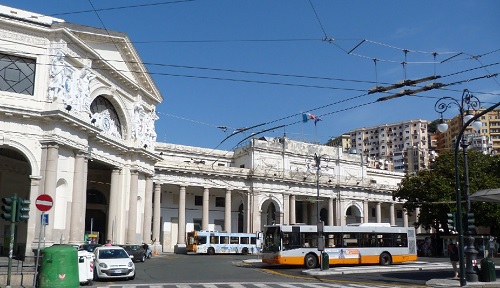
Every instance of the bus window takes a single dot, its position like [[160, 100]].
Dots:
[[309, 240], [385, 240], [214, 239], [224, 240], [333, 240], [253, 240], [350, 240], [368, 240], [201, 240], [400, 240], [235, 240], [244, 240]]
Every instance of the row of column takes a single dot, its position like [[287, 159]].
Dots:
[[289, 201], [50, 155], [181, 235]]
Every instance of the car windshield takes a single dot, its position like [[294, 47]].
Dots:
[[112, 254]]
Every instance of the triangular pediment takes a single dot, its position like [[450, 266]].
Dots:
[[115, 52]]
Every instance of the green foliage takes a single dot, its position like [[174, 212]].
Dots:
[[434, 191]]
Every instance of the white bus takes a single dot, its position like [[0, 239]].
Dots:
[[368, 243], [213, 242]]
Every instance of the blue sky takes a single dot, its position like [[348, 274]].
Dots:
[[240, 64]]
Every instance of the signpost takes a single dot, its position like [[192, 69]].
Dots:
[[43, 203]]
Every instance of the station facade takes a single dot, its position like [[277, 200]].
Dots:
[[77, 123]]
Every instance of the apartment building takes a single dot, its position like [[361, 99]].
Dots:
[[399, 147], [487, 140]]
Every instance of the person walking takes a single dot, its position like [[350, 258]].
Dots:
[[454, 258]]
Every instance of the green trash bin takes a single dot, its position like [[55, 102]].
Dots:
[[487, 273], [325, 261], [59, 267]]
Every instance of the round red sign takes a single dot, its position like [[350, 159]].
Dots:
[[44, 202]]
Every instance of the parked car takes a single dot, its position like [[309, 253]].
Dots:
[[137, 251], [113, 262], [88, 247]]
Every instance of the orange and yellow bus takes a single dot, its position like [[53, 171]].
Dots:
[[355, 244]]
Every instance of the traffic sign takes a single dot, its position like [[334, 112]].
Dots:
[[44, 202]]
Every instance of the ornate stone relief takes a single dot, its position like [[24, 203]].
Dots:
[[143, 126], [70, 85]]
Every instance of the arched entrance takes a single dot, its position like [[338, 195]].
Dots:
[[353, 215], [240, 219], [95, 217], [15, 179], [270, 213]]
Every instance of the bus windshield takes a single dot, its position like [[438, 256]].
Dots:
[[272, 239]]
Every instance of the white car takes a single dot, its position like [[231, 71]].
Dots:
[[113, 262]]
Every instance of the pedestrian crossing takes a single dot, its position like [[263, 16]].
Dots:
[[311, 284]]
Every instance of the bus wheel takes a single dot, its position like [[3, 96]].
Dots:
[[244, 251], [311, 261], [385, 259], [210, 251]]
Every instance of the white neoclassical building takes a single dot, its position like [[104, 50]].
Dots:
[[77, 114], [270, 180]]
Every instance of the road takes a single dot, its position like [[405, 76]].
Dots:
[[238, 271]]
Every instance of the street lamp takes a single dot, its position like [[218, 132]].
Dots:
[[469, 101], [317, 166]]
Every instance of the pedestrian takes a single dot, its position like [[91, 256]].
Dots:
[[108, 243], [454, 257]]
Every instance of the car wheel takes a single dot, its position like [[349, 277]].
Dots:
[[244, 251], [143, 258], [89, 283], [210, 251], [96, 278], [132, 277]]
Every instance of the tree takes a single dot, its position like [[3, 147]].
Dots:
[[433, 191]]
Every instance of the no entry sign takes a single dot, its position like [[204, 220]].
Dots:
[[44, 202]]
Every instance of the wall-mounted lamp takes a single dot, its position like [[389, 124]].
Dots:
[[161, 153], [68, 107], [93, 120], [145, 146], [139, 198]]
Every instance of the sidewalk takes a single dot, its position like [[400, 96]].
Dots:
[[456, 283]]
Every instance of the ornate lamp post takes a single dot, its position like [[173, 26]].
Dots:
[[317, 166], [468, 102]]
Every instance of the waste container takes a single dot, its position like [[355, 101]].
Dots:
[[59, 267], [325, 261], [487, 273], [85, 267]]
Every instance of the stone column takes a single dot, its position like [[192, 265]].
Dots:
[[417, 214], [293, 218], [77, 220], [331, 212], [132, 207], [205, 214], [50, 183], [405, 218], [392, 213], [156, 212], [181, 234], [148, 207], [341, 214], [379, 212], [286, 209], [227, 212], [114, 195], [33, 224], [366, 212]]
